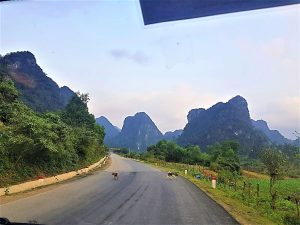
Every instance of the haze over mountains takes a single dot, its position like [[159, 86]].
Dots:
[[222, 121], [111, 131], [138, 132], [274, 135]]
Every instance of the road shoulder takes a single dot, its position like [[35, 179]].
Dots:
[[40, 190], [241, 213]]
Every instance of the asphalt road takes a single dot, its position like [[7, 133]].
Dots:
[[142, 195]]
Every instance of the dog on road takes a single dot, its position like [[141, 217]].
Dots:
[[172, 175], [115, 175]]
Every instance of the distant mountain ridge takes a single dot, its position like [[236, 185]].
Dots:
[[111, 131], [296, 142], [223, 121], [36, 89], [138, 132], [172, 135], [274, 135]]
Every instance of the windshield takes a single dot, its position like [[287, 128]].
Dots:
[[140, 112]]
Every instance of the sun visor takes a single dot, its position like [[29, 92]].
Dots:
[[157, 11]]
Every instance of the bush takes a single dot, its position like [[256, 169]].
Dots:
[[291, 220]]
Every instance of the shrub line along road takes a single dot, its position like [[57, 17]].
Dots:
[[141, 195]]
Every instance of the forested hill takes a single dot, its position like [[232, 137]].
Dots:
[[44, 143], [223, 121], [35, 88]]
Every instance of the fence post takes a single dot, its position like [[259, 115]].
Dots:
[[249, 191], [235, 184], [213, 181], [244, 188], [257, 194]]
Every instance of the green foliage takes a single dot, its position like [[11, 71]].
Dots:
[[44, 142], [192, 155], [292, 156], [8, 93], [291, 220], [274, 161], [220, 156], [224, 156], [171, 152], [227, 177], [8, 97], [76, 112], [124, 150]]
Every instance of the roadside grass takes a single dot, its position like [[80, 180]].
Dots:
[[245, 204]]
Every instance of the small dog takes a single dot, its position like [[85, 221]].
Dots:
[[172, 175], [116, 176]]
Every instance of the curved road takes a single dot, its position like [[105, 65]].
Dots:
[[142, 195]]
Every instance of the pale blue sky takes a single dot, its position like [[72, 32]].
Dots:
[[103, 48]]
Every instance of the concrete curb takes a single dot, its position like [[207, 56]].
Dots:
[[50, 180]]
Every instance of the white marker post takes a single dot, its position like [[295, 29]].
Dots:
[[213, 182], [185, 172]]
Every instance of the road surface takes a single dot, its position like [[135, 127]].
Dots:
[[142, 195]]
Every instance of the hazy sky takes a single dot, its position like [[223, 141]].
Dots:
[[103, 48]]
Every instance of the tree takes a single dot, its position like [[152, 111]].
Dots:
[[274, 161], [124, 150], [159, 150], [171, 152], [174, 153], [224, 156], [295, 197], [192, 154], [8, 99], [8, 92], [76, 112]]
